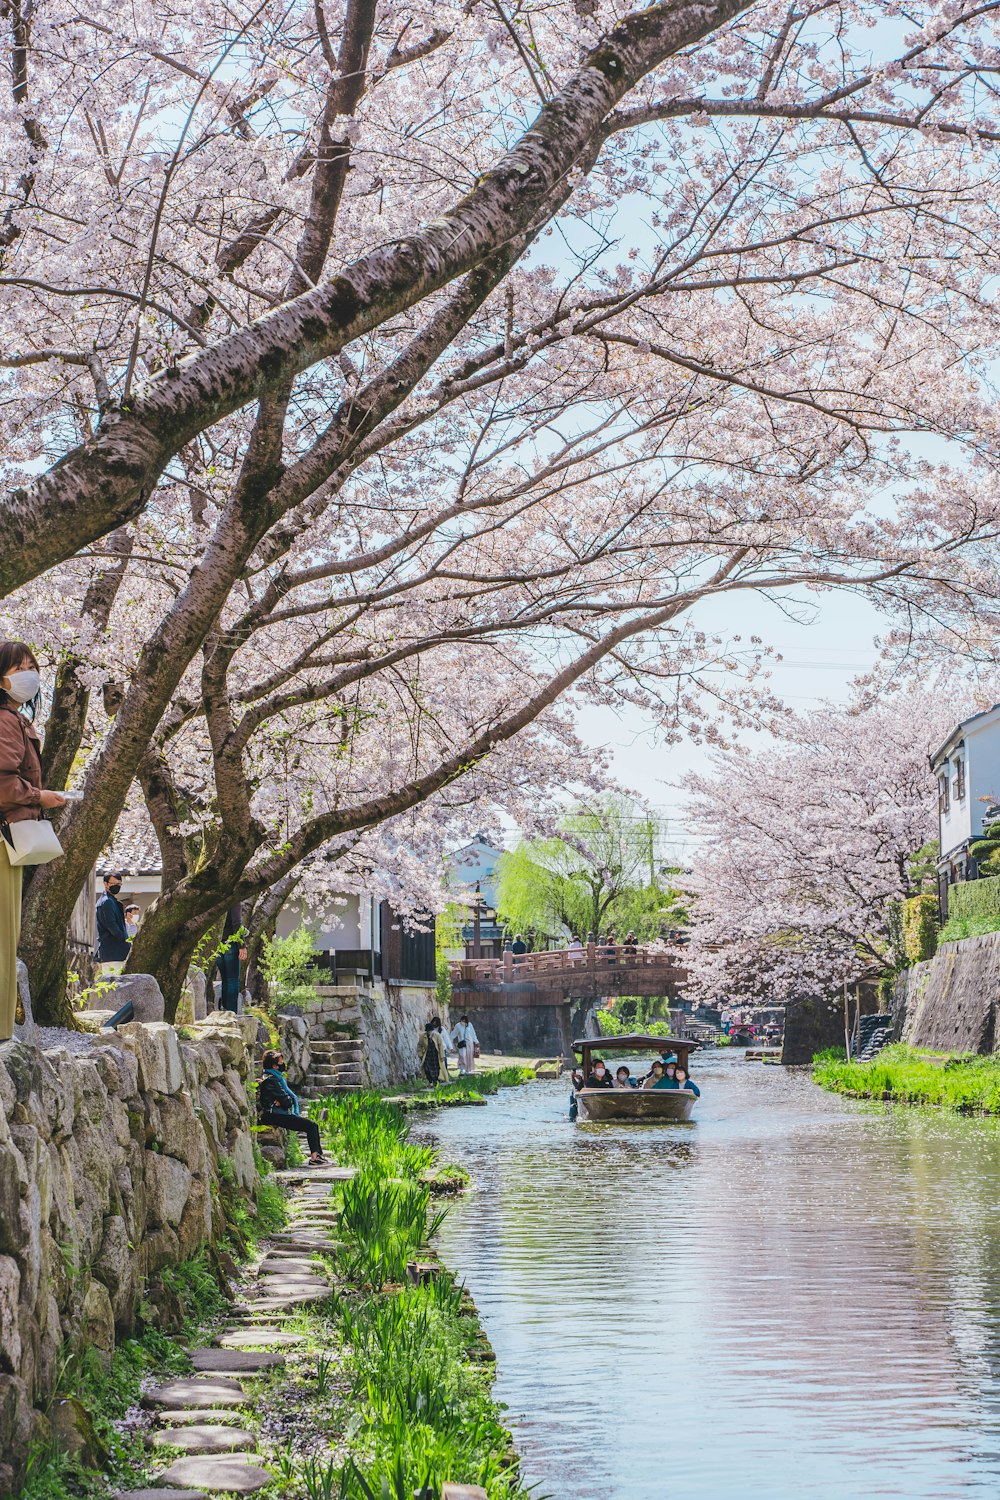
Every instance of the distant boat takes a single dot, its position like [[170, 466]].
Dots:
[[648, 1106]]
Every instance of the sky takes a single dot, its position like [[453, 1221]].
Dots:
[[819, 661]]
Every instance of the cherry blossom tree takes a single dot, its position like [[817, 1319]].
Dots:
[[806, 841], [544, 325]]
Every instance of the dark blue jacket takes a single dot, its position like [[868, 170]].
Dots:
[[274, 1094], [112, 934]]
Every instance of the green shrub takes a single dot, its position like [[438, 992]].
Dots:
[[973, 909], [986, 850], [920, 928], [288, 963]]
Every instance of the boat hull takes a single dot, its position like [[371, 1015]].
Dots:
[[644, 1106]]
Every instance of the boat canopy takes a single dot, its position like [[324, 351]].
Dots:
[[635, 1042]]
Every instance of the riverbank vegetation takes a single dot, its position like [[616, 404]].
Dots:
[[473, 1088], [965, 1083], [417, 1366]]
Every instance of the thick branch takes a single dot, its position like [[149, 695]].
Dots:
[[107, 480]]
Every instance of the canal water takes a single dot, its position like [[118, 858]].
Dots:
[[792, 1295]]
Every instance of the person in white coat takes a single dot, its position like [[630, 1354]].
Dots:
[[465, 1039]]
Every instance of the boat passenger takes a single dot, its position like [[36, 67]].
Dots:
[[599, 1077], [624, 1079], [682, 1081], [654, 1077]]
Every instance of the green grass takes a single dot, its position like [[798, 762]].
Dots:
[[962, 1082], [422, 1095]]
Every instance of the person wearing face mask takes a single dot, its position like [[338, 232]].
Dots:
[[112, 930], [599, 1077], [21, 798]]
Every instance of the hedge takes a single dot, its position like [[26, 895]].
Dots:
[[975, 901], [920, 927], [897, 945]]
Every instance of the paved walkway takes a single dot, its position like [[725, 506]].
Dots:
[[202, 1413]]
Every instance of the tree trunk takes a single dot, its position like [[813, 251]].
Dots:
[[174, 925], [262, 924]]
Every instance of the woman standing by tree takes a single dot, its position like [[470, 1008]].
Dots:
[[21, 798]]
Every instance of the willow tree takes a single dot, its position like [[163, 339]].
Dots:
[[283, 319], [599, 869]]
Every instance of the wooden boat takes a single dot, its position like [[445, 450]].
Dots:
[[642, 1106]]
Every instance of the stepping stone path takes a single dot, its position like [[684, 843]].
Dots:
[[159, 1494], [236, 1474], [258, 1338], [203, 1437], [202, 1413]]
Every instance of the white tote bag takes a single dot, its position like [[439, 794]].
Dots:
[[31, 842]]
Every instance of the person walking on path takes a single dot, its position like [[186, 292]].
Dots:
[[430, 1050], [466, 1040], [112, 931], [21, 798], [277, 1105]]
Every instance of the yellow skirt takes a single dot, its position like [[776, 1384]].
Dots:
[[10, 935]]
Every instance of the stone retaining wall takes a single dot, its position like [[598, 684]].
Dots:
[[386, 1018], [950, 1002], [109, 1172]]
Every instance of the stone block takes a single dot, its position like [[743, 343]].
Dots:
[[97, 1323], [10, 1331], [15, 1227], [180, 1131], [157, 1053], [169, 1183], [25, 1030], [142, 990], [223, 1031]]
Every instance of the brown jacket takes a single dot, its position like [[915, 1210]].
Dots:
[[20, 768]]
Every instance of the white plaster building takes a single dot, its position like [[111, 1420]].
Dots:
[[967, 770]]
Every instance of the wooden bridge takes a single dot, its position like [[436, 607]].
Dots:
[[565, 974]]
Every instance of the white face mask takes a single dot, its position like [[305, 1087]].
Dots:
[[23, 686]]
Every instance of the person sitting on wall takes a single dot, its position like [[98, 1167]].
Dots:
[[277, 1105]]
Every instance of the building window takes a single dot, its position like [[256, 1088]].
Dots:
[[959, 780], [944, 801]]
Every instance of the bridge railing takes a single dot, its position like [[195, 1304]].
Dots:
[[523, 967]]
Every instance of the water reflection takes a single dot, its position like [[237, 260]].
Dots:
[[790, 1296]]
